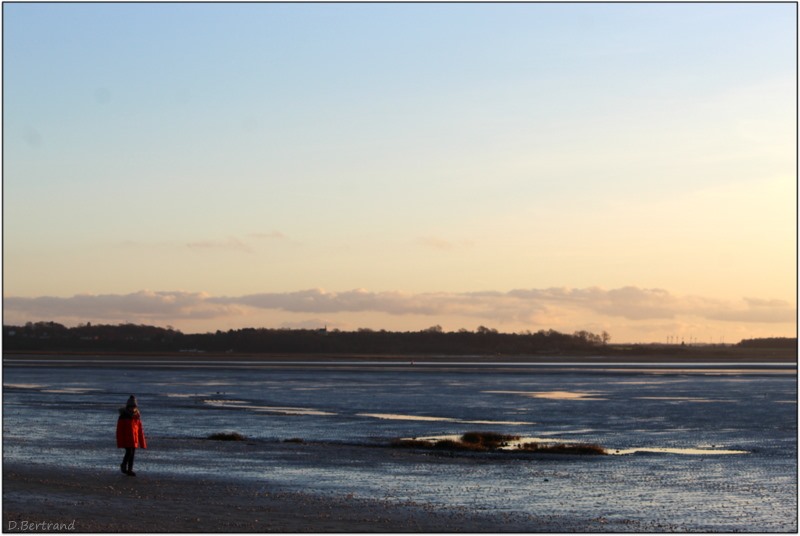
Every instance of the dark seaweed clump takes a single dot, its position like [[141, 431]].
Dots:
[[492, 441], [470, 442], [487, 440], [561, 448]]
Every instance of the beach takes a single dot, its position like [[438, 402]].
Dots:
[[53, 499], [101, 501], [708, 446], [42, 498]]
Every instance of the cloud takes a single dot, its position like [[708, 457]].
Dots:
[[631, 303], [546, 307], [137, 306], [755, 310], [635, 303], [232, 243], [320, 301], [627, 302]]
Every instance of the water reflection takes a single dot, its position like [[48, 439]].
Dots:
[[426, 418], [554, 395]]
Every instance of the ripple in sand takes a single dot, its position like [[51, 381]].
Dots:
[[207, 383], [277, 410], [289, 411], [224, 403], [70, 390], [400, 417], [685, 451], [682, 399]]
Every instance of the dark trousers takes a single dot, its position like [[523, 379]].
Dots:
[[127, 461]]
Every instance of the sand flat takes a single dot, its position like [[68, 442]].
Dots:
[[104, 501], [307, 472]]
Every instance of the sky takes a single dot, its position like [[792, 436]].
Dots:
[[628, 168]]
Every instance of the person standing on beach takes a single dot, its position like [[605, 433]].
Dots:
[[130, 434]]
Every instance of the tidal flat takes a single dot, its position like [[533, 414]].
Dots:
[[698, 447]]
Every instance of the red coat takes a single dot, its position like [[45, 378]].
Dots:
[[130, 432]]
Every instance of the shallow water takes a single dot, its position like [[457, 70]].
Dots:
[[701, 448]]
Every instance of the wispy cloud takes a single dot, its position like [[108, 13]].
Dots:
[[231, 243], [628, 304]]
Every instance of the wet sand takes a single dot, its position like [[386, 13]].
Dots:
[[104, 500], [71, 500]]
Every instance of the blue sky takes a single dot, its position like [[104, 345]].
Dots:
[[226, 151]]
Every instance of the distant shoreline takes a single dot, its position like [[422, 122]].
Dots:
[[627, 355]]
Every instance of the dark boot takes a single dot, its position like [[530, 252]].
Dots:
[[127, 462], [131, 453]]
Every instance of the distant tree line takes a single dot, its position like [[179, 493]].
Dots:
[[51, 336], [769, 342]]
